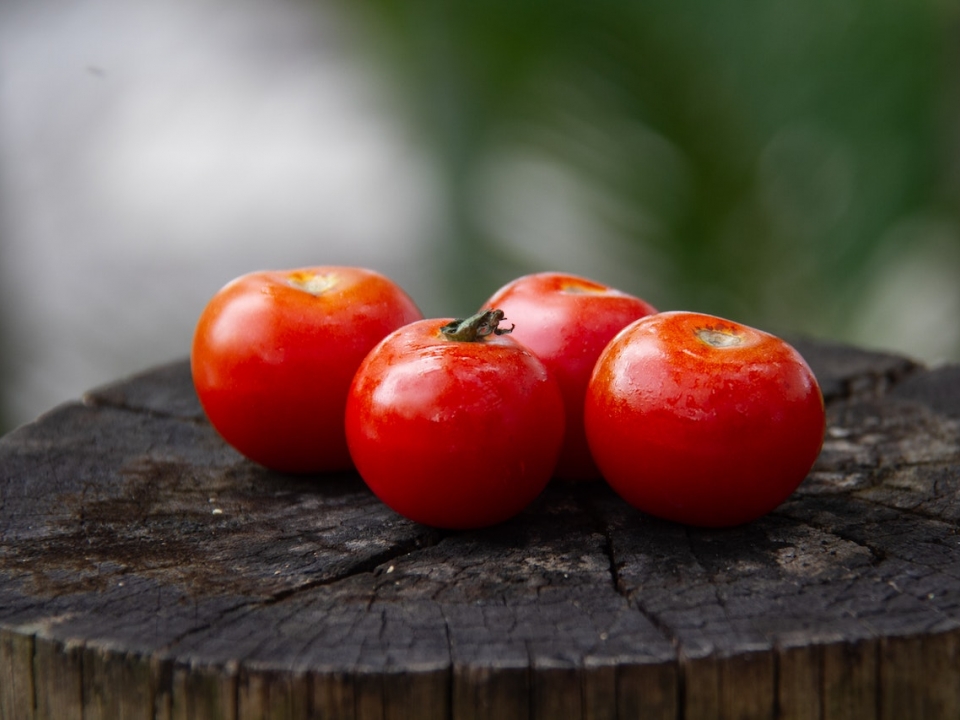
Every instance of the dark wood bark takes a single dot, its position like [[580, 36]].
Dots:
[[148, 571]]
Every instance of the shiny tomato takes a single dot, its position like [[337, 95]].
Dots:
[[566, 321], [454, 424], [274, 352], [703, 421]]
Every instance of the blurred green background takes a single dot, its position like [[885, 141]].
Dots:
[[794, 164], [791, 164]]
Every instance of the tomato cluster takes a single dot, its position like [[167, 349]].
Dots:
[[461, 423]]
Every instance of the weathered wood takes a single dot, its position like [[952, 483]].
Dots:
[[148, 571]]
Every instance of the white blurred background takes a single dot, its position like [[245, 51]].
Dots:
[[151, 150]]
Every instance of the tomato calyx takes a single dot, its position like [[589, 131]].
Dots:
[[476, 327]]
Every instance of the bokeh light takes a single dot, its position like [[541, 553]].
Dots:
[[793, 165]]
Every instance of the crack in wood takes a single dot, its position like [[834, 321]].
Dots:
[[307, 594]]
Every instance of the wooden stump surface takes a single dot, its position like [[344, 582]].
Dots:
[[148, 571]]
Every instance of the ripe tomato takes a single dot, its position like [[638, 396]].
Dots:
[[453, 424], [274, 352], [566, 321], [701, 420]]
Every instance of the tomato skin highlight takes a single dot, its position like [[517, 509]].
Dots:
[[567, 320], [453, 434], [703, 421], [274, 352]]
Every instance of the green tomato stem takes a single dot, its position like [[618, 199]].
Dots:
[[475, 328]]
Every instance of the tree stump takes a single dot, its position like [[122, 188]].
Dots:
[[148, 571]]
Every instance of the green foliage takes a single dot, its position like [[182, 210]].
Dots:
[[760, 153]]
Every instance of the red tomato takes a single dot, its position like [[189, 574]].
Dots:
[[454, 430], [567, 321], [274, 353], [703, 421]]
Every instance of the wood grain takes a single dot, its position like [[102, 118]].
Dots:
[[148, 571]]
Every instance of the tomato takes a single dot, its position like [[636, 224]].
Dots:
[[274, 352], [566, 321], [454, 424], [701, 420]]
